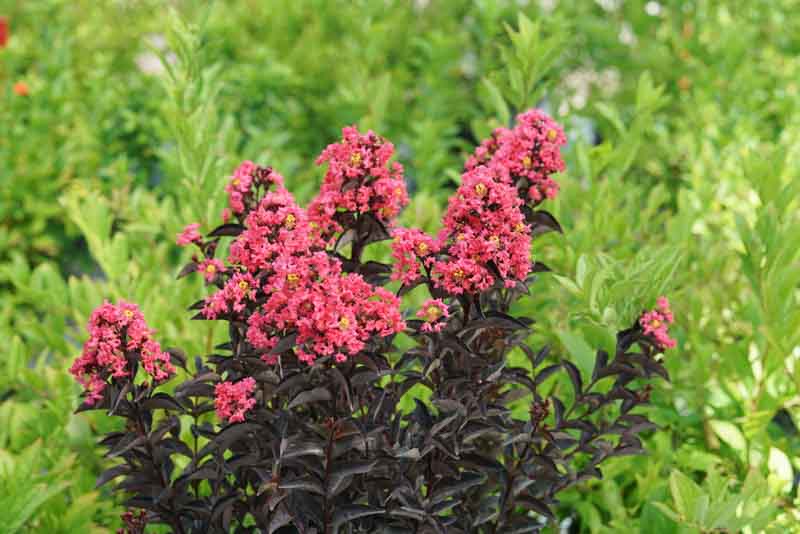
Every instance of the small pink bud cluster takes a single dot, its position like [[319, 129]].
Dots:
[[243, 186], [434, 313], [234, 399], [113, 332], [359, 180], [531, 150], [655, 324]]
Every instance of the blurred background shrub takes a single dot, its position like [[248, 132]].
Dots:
[[120, 123]]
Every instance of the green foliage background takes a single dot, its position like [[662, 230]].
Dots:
[[683, 178]]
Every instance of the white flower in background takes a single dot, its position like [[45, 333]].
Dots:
[[652, 8], [626, 35]]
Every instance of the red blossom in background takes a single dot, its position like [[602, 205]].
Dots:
[[3, 32], [113, 332], [21, 89], [655, 324], [359, 180], [233, 400]]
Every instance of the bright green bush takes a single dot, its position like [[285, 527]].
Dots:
[[693, 187]]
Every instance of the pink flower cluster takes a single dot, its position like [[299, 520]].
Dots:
[[655, 324], [232, 298], [433, 312], [210, 268], [234, 399], [242, 186], [409, 248], [113, 331], [281, 262], [332, 314], [359, 180], [485, 235], [530, 150], [276, 227], [189, 235]]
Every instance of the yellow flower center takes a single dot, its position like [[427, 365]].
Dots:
[[344, 323], [494, 239], [422, 248], [656, 323], [460, 237], [290, 221], [355, 158], [480, 190], [458, 274], [519, 227], [211, 268], [244, 286], [292, 279], [236, 182], [551, 135], [526, 162], [398, 192], [128, 313], [433, 313]]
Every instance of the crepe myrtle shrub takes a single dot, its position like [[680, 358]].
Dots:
[[296, 422]]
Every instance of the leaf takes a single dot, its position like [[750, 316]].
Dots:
[[112, 473], [542, 222], [304, 483], [162, 401], [730, 434], [187, 269], [583, 354], [685, 493], [450, 488], [575, 377], [229, 229], [345, 514], [312, 395], [340, 473], [286, 343]]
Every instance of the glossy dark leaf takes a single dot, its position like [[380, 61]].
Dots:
[[187, 269], [313, 395], [286, 343], [351, 512], [229, 229]]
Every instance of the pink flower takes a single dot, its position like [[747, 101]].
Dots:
[[189, 235], [210, 268], [655, 324], [359, 180], [234, 400], [433, 312], [113, 331], [243, 186], [409, 248], [232, 298], [484, 235], [531, 152]]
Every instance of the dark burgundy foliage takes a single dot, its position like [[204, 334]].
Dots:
[[326, 449]]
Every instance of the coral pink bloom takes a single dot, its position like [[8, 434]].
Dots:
[[655, 324], [113, 331], [210, 268], [189, 235], [234, 400], [433, 312], [360, 179]]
